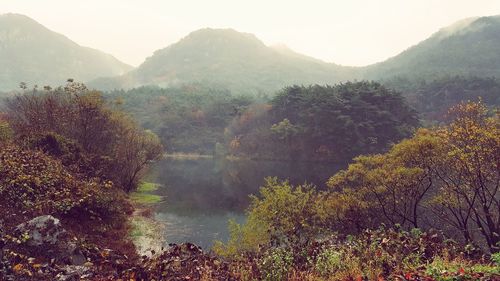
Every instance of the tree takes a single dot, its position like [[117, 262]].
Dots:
[[444, 176], [114, 147], [328, 122], [469, 173], [396, 184]]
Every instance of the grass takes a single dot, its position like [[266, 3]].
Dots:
[[136, 229], [143, 194], [147, 187], [145, 232]]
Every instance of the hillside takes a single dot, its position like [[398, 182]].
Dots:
[[432, 98], [468, 47], [237, 61], [31, 53], [242, 63], [234, 60]]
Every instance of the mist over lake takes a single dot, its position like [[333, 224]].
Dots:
[[201, 195]]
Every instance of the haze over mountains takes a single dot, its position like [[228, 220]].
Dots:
[[31, 53], [237, 61], [468, 47]]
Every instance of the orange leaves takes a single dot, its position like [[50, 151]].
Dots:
[[17, 268]]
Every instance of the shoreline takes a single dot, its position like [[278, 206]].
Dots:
[[146, 232], [187, 156], [231, 157]]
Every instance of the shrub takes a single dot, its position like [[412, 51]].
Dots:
[[328, 261], [275, 264], [445, 269], [283, 215], [5, 131], [35, 184], [496, 258], [246, 238]]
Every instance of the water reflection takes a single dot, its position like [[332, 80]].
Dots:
[[202, 195]]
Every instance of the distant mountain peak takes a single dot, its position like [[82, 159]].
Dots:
[[223, 36], [32, 53], [239, 61], [221, 32]]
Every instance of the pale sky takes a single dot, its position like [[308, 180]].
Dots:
[[347, 32]]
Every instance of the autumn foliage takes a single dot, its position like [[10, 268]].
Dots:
[[75, 122], [33, 183], [443, 179]]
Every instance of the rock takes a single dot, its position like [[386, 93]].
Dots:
[[42, 230], [74, 254]]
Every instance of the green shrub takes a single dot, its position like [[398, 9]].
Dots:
[[328, 261], [5, 131], [275, 264], [496, 258], [246, 238], [444, 269]]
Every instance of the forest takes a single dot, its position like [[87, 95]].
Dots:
[[319, 123], [73, 154]]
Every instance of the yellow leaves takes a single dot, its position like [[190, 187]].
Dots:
[[17, 268], [36, 266], [108, 184]]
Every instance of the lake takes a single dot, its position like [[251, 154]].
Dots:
[[201, 195]]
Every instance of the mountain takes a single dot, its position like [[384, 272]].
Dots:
[[241, 62], [237, 61], [31, 53], [468, 47]]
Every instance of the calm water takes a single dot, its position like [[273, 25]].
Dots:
[[201, 195]]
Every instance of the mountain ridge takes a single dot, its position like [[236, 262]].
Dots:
[[224, 56], [467, 47], [242, 63], [34, 54]]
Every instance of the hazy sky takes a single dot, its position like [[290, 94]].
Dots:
[[348, 32]]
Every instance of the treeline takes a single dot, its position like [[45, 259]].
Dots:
[[323, 123], [318, 123], [189, 119], [432, 98], [307, 123]]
